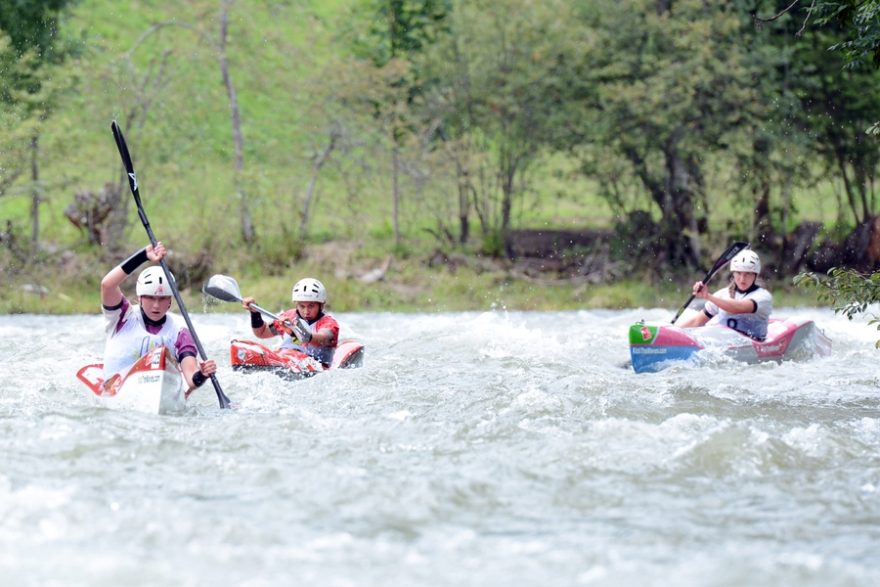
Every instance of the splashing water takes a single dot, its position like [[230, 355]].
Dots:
[[472, 449]]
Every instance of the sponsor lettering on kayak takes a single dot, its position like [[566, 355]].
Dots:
[[649, 350], [772, 350]]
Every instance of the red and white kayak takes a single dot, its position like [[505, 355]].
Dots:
[[246, 355], [153, 384], [654, 347]]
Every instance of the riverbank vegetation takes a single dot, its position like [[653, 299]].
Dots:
[[433, 154]]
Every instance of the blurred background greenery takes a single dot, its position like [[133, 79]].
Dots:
[[435, 154]]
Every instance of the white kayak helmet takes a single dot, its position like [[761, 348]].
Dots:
[[747, 261], [152, 282], [309, 290]]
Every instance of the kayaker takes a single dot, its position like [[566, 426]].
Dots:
[[135, 330], [305, 327], [744, 305]]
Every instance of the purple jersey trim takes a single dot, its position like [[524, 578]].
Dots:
[[123, 312], [185, 346]]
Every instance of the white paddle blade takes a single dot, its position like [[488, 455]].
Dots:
[[223, 288]]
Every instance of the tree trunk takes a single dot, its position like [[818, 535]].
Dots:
[[464, 225], [247, 224], [862, 186], [35, 193], [508, 168], [465, 188], [395, 194], [319, 160], [847, 184], [765, 234], [680, 227], [796, 246]]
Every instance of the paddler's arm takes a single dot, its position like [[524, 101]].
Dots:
[[258, 326], [196, 374], [304, 333], [111, 293], [323, 337], [697, 318], [743, 306]]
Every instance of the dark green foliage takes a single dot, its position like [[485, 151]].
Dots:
[[33, 24], [848, 291], [402, 27], [860, 20]]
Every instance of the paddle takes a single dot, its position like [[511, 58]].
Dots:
[[132, 182], [226, 289], [723, 260]]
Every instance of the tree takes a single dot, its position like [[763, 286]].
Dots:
[[399, 30], [144, 87], [499, 87], [838, 104], [666, 86], [33, 83], [17, 121], [858, 22], [247, 223], [204, 28]]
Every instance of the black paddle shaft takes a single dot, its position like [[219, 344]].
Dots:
[[723, 260], [132, 182]]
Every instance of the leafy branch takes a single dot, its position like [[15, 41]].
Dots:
[[848, 291]]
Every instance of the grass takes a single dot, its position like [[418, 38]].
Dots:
[[409, 287], [279, 54]]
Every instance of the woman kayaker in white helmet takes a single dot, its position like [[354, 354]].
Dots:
[[133, 330], [744, 305], [305, 327]]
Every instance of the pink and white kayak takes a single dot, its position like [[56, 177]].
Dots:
[[654, 347], [153, 384], [246, 355]]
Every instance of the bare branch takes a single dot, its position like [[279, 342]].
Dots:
[[156, 27], [788, 9]]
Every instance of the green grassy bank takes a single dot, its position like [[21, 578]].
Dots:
[[408, 286]]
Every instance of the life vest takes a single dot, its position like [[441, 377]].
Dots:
[[322, 353], [128, 339], [753, 324]]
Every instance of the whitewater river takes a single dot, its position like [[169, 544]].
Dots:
[[483, 449]]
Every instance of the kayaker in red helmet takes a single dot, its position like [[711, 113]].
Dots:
[[744, 305], [133, 330], [305, 327]]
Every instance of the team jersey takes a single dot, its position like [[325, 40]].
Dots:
[[324, 354], [753, 324], [130, 336]]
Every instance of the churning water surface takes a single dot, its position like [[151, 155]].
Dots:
[[508, 449]]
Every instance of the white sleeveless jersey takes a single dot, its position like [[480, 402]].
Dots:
[[132, 341], [753, 324]]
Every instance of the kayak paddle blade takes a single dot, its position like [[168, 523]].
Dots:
[[223, 288]]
